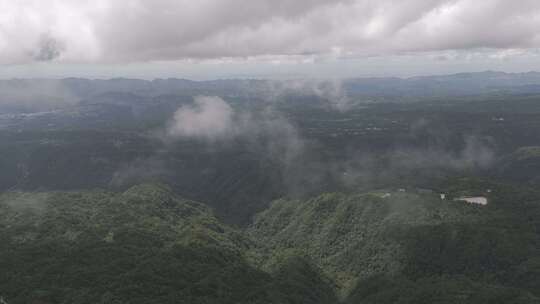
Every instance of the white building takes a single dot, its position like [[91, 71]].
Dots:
[[480, 200]]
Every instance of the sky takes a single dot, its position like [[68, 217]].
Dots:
[[209, 39]]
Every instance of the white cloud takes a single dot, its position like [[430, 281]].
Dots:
[[213, 120], [111, 31], [209, 118]]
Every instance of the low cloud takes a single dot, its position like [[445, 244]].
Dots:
[[209, 118], [476, 154], [356, 168], [212, 120], [330, 91], [35, 203]]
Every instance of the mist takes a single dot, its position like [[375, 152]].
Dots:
[[35, 203], [330, 92], [26, 96], [476, 154], [141, 170], [209, 118]]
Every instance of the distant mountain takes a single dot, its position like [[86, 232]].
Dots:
[[31, 95], [461, 84]]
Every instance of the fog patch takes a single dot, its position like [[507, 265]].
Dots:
[[356, 169], [476, 153], [332, 91], [27, 202], [284, 142], [29, 95], [139, 171]]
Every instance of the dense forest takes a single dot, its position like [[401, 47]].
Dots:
[[147, 245]]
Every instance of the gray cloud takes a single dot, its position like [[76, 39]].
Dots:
[[137, 30]]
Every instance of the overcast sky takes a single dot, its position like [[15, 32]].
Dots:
[[204, 39]]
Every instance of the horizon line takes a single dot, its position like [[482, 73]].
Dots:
[[269, 78]]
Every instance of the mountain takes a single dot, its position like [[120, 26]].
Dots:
[[353, 236], [375, 246], [98, 247], [144, 245], [461, 84], [148, 245], [37, 95]]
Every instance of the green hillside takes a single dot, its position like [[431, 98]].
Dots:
[[404, 239], [145, 245], [353, 236]]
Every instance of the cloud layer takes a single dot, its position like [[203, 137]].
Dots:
[[108, 31]]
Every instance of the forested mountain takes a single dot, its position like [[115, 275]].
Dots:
[[147, 245], [31, 95], [408, 238]]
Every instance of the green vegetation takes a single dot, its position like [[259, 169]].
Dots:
[[144, 245], [414, 244], [440, 290], [353, 236], [147, 245]]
